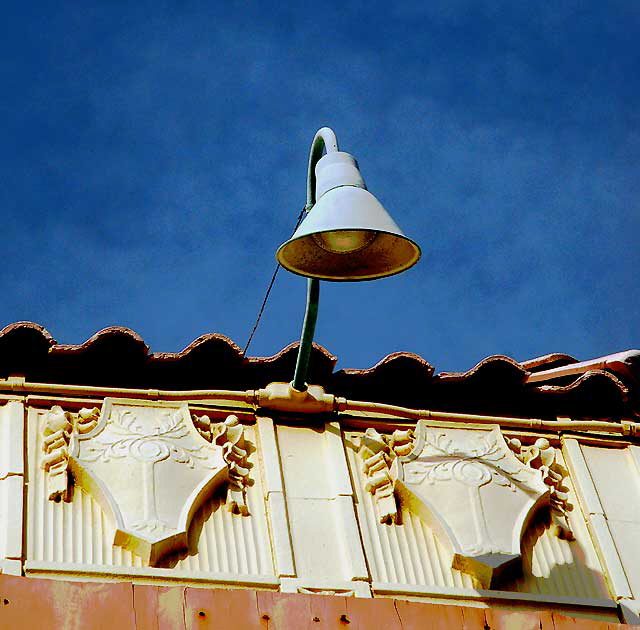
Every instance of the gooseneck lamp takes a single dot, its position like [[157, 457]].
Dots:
[[346, 235]]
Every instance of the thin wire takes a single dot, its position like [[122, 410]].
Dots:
[[273, 279]]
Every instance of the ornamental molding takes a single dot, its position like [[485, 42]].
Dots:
[[235, 451], [147, 465], [475, 489], [58, 428], [377, 452], [543, 457]]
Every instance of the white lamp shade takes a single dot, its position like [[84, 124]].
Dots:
[[348, 235]]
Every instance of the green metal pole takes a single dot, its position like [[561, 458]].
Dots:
[[325, 138], [306, 337]]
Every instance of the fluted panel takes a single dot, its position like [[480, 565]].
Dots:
[[553, 566], [81, 532], [408, 553], [411, 554]]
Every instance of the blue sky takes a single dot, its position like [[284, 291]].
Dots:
[[154, 157]]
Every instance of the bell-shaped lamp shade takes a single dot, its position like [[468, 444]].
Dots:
[[347, 235]]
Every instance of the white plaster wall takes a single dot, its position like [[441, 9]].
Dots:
[[616, 477], [11, 486], [324, 531]]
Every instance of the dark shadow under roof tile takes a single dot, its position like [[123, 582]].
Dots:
[[24, 347], [497, 385]]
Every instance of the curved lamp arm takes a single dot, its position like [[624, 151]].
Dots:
[[325, 138]]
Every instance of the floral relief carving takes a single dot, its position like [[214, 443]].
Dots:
[[476, 489], [543, 457], [235, 451], [130, 438], [377, 452], [473, 464], [450, 461], [230, 435], [148, 465], [58, 427]]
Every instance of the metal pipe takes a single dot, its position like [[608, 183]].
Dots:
[[532, 423], [325, 139], [333, 404], [20, 385], [306, 337]]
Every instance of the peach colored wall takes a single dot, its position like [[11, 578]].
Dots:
[[52, 604]]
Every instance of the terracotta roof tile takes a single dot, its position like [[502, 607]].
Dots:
[[548, 362], [119, 357]]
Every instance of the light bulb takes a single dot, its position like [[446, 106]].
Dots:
[[344, 241]]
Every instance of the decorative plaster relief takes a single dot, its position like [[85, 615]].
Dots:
[[235, 451], [377, 452], [147, 464], [476, 491], [542, 456], [59, 425]]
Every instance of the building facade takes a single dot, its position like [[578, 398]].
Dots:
[[186, 487]]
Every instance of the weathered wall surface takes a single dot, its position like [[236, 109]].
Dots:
[[50, 604], [312, 523]]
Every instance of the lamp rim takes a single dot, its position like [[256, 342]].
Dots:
[[374, 276]]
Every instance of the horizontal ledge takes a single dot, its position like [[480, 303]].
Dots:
[[448, 592], [18, 384], [319, 402], [67, 571]]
